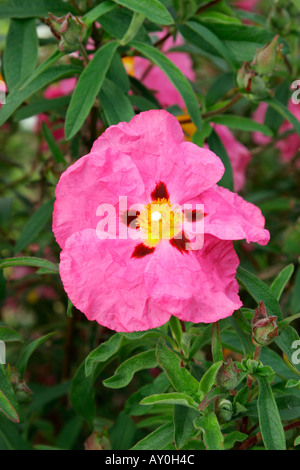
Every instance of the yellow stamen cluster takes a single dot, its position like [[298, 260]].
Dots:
[[159, 220]]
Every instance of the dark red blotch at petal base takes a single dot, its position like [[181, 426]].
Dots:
[[127, 219], [193, 215], [142, 250], [160, 192], [179, 243]]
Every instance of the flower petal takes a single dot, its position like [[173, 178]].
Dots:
[[197, 286], [230, 217], [93, 180], [155, 142], [107, 284]]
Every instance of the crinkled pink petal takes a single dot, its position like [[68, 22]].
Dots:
[[155, 142], [239, 155], [230, 217], [97, 178], [198, 286], [107, 285]]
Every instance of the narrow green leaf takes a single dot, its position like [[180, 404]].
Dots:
[[233, 437], [158, 439], [285, 341], [17, 97], [9, 335], [183, 424], [284, 111], [8, 404], [41, 68], [134, 27], [98, 11], [241, 123], [37, 8], [297, 440], [176, 329], [259, 291], [269, 419], [213, 40], [216, 343], [281, 281], [82, 393], [173, 398], [212, 435], [217, 146], [180, 82], [151, 9], [117, 73], [88, 87], [179, 377], [125, 372], [222, 84], [29, 350], [238, 321], [273, 119], [21, 51], [295, 297], [208, 380], [42, 105], [123, 432], [53, 147], [10, 433], [28, 261], [34, 226], [115, 104]]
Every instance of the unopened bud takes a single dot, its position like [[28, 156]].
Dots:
[[69, 30], [97, 441], [250, 83], [22, 391], [225, 410], [264, 328], [228, 375], [267, 57]]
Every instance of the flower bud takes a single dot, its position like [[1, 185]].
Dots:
[[251, 83], [225, 410], [228, 375], [69, 30], [267, 57], [264, 328], [97, 441], [22, 391]]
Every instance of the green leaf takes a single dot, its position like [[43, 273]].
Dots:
[[125, 372], [98, 11], [134, 27], [259, 291], [115, 104], [179, 377], [183, 424], [53, 147], [158, 439], [175, 327], [42, 105], [232, 438], [273, 119], [285, 341], [216, 343], [269, 419], [38, 8], [10, 433], [151, 9], [170, 399], [34, 226], [29, 350], [123, 432], [222, 84], [21, 51], [281, 281], [297, 440], [17, 97], [241, 123], [82, 393], [285, 113], [117, 73], [295, 297], [216, 145], [9, 335], [117, 22], [208, 36], [28, 261], [208, 380], [88, 87], [239, 323], [180, 82], [41, 68], [212, 435], [8, 404]]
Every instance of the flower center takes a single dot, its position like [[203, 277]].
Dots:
[[159, 220]]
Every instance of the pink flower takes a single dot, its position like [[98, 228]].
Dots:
[[155, 79], [138, 282], [238, 154], [290, 145], [247, 5]]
